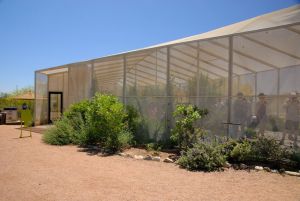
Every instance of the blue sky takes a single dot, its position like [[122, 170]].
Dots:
[[36, 34]]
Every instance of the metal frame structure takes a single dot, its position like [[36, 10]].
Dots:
[[220, 55]]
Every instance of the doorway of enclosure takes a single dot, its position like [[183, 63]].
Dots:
[[55, 106]]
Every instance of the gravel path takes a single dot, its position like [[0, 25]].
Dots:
[[31, 170]]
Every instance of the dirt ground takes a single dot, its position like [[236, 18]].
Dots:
[[32, 170]]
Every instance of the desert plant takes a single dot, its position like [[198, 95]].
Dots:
[[65, 131], [242, 152], [137, 125], [123, 141], [250, 133], [105, 121], [80, 107], [100, 121], [268, 149], [262, 149], [185, 133], [152, 146], [226, 147], [295, 156], [202, 156]]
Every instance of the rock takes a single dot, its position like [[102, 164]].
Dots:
[[235, 166], [138, 157], [267, 169], [156, 158], [258, 168], [168, 160], [227, 165], [174, 157], [122, 154], [148, 157], [297, 174], [282, 170], [94, 147], [274, 171], [243, 166], [129, 156]]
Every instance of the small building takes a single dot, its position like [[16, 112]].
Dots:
[[259, 55]]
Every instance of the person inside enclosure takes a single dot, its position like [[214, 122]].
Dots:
[[241, 110], [261, 113], [292, 113]]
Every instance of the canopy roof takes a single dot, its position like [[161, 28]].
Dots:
[[262, 43]]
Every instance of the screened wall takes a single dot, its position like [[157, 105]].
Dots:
[[231, 71]]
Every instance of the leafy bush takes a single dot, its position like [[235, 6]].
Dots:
[[153, 146], [295, 156], [267, 149], [260, 150], [185, 133], [242, 152], [81, 107], [137, 125], [100, 121], [227, 147], [202, 157], [105, 121], [250, 133], [65, 131], [124, 139]]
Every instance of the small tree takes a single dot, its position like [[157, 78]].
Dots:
[[185, 133]]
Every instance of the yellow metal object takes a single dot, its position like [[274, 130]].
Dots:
[[26, 121]]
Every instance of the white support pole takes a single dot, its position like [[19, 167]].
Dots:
[[255, 91], [198, 76], [124, 79], [93, 87], [168, 94], [278, 92], [230, 66], [35, 105]]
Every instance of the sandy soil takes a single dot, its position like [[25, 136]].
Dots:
[[31, 170]]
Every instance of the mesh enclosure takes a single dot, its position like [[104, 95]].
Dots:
[[59, 82], [80, 82], [108, 76], [41, 99], [246, 75], [271, 60], [146, 81]]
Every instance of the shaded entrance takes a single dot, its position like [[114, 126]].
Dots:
[[55, 106]]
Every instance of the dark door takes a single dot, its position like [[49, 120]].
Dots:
[[55, 106]]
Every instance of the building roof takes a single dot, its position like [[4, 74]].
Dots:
[[25, 96], [285, 21], [283, 17]]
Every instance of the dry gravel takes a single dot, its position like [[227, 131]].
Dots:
[[31, 170]]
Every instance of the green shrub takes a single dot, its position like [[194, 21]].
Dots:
[[105, 118], [268, 149], [81, 107], [260, 150], [152, 146], [250, 133], [242, 152], [124, 139], [227, 147], [185, 133], [101, 121], [137, 125], [202, 157], [66, 130], [295, 156]]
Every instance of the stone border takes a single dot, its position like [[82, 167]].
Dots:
[[148, 158]]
